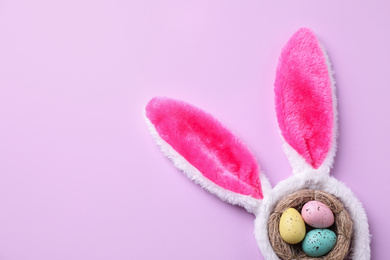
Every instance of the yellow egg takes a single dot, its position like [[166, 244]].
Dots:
[[291, 226]]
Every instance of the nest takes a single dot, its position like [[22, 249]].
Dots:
[[342, 227]]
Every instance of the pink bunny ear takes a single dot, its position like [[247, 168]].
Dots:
[[304, 98], [206, 151]]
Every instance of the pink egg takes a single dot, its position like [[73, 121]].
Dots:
[[317, 214]]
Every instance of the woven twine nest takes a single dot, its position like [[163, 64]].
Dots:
[[342, 227]]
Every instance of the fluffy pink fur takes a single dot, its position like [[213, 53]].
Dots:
[[206, 144], [304, 97]]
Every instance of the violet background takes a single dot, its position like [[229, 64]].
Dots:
[[80, 177]]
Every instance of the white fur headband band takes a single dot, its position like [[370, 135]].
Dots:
[[209, 154]]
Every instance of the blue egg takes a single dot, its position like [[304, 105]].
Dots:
[[319, 242]]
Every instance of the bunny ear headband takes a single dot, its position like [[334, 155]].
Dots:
[[212, 156]]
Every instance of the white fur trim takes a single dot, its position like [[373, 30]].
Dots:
[[308, 180], [328, 162], [248, 202], [265, 185]]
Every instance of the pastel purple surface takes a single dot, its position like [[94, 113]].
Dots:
[[80, 176]]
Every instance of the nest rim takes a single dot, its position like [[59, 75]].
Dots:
[[343, 226]]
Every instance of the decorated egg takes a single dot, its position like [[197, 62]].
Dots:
[[319, 242], [291, 226], [317, 214]]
